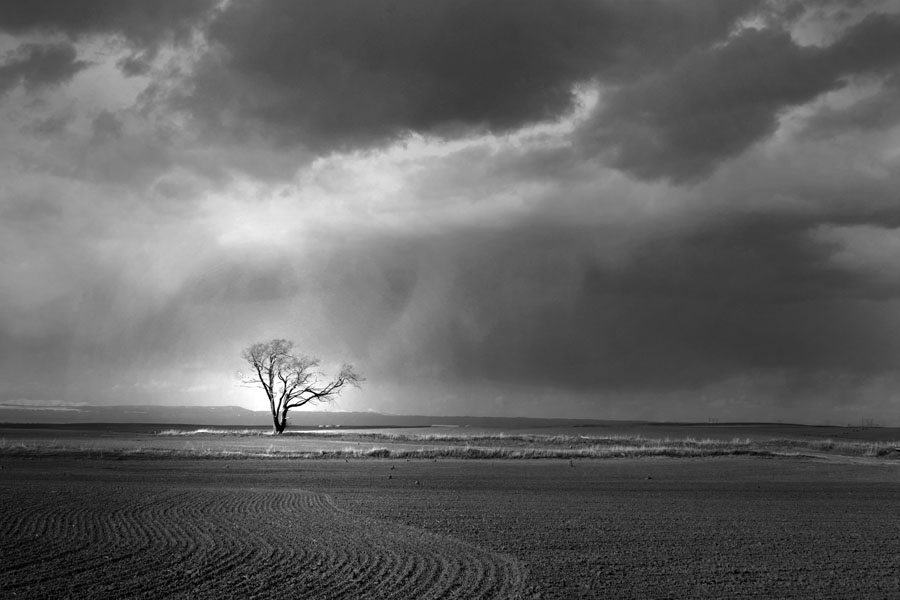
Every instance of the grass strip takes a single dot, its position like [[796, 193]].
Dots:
[[434, 446]]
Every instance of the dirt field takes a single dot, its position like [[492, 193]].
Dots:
[[646, 528]]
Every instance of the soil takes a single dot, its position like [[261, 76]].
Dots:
[[644, 528]]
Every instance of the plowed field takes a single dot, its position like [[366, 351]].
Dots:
[[651, 528]]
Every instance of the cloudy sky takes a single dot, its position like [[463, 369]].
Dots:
[[580, 208]]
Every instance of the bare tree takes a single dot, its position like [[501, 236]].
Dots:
[[292, 380]]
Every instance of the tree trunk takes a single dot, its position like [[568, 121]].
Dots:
[[278, 425]]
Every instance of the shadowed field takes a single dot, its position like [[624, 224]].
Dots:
[[160, 538], [736, 527]]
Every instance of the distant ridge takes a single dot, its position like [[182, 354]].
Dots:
[[236, 416]]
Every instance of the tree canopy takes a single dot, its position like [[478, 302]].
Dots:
[[291, 380]]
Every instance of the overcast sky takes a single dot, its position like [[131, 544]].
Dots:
[[655, 210]]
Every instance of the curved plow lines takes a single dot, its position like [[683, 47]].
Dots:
[[394, 561], [208, 543]]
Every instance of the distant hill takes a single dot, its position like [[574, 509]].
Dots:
[[206, 415], [235, 416]]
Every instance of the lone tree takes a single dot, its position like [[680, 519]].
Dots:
[[291, 380]]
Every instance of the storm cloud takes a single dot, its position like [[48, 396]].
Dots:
[[347, 75], [33, 66], [668, 210], [142, 23], [716, 101]]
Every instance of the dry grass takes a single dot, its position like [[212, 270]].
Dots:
[[211, 443], [571, 446]]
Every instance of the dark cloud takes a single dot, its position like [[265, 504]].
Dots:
[[136, 64], [142, 23], [875, 112], [680, 123], [340, 74], [144, 26], [34, 66], [871, 45]]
